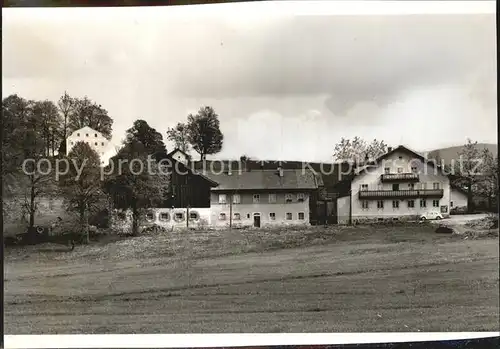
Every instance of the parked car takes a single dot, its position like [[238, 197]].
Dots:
[[431, 215]]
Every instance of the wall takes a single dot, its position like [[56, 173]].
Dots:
[[428, 175], [48, 209], [458, 199], [125, 225], [343, 210], [247, 209], [92, 138]]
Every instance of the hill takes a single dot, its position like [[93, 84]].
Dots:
[[447, 154]]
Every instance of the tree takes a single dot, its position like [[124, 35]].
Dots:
[[358, 150], [151, 140], [179, 136], [204, 133], [467, 171], [66, 106], [81, 184], [137, 185], [15, 114], [88, 113], [25, 142], [48, 124], [489, 185]]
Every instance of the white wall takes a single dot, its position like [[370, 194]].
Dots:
[[427, 176], [248, 211], [171, 223], [92, 137], [458, 199]]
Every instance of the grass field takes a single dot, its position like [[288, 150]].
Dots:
[[316, 280]]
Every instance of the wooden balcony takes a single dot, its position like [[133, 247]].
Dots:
[[399, 177], [401, 194]]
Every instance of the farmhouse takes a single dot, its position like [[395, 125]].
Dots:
[[93, 138], [400, 184]]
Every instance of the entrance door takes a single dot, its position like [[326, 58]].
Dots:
[[256, 220]]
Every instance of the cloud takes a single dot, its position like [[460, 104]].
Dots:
[[290, 86]]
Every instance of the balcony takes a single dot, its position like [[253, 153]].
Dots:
[[401, 194], [399, 177]]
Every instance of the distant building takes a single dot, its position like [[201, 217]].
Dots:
[[400, 184], [93, 138]]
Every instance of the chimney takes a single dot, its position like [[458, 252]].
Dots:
[[389, 149]]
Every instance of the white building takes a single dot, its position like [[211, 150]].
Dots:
[[401, 184], [93, 138]]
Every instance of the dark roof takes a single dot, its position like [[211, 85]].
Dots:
[[329, 173], [189, 169], [458, 188], [265, 179]]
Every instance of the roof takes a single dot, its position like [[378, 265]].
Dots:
[[178, 150], [86, 129], [265, 179]]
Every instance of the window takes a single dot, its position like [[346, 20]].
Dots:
[[248, 215], [423, 203], [395, 187], [288, 216], [102, 143], [193, 215], [301, 216], [72, 143], [364, 186], [222, 198], [256, 198], [272, 198], [288, 198], [236, 199], [272, 216], [414, 169], [400, 158], [179, 216], [451, 203], [387, 170], [78, 135], [300, 197], [435, 185], [96, 135], [424, 186], [364, 204], [164, 216], [95, 143], [411, 203], [400, 170], [236, 216], [222, 216], [380, 204], [411, 186], [435, 203], [395, 204], [121, 215], [86, 135], [150, 216]]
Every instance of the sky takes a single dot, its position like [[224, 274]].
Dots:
[[286, 86]]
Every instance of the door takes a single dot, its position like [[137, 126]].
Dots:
[[395, 187], [256, 220]]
